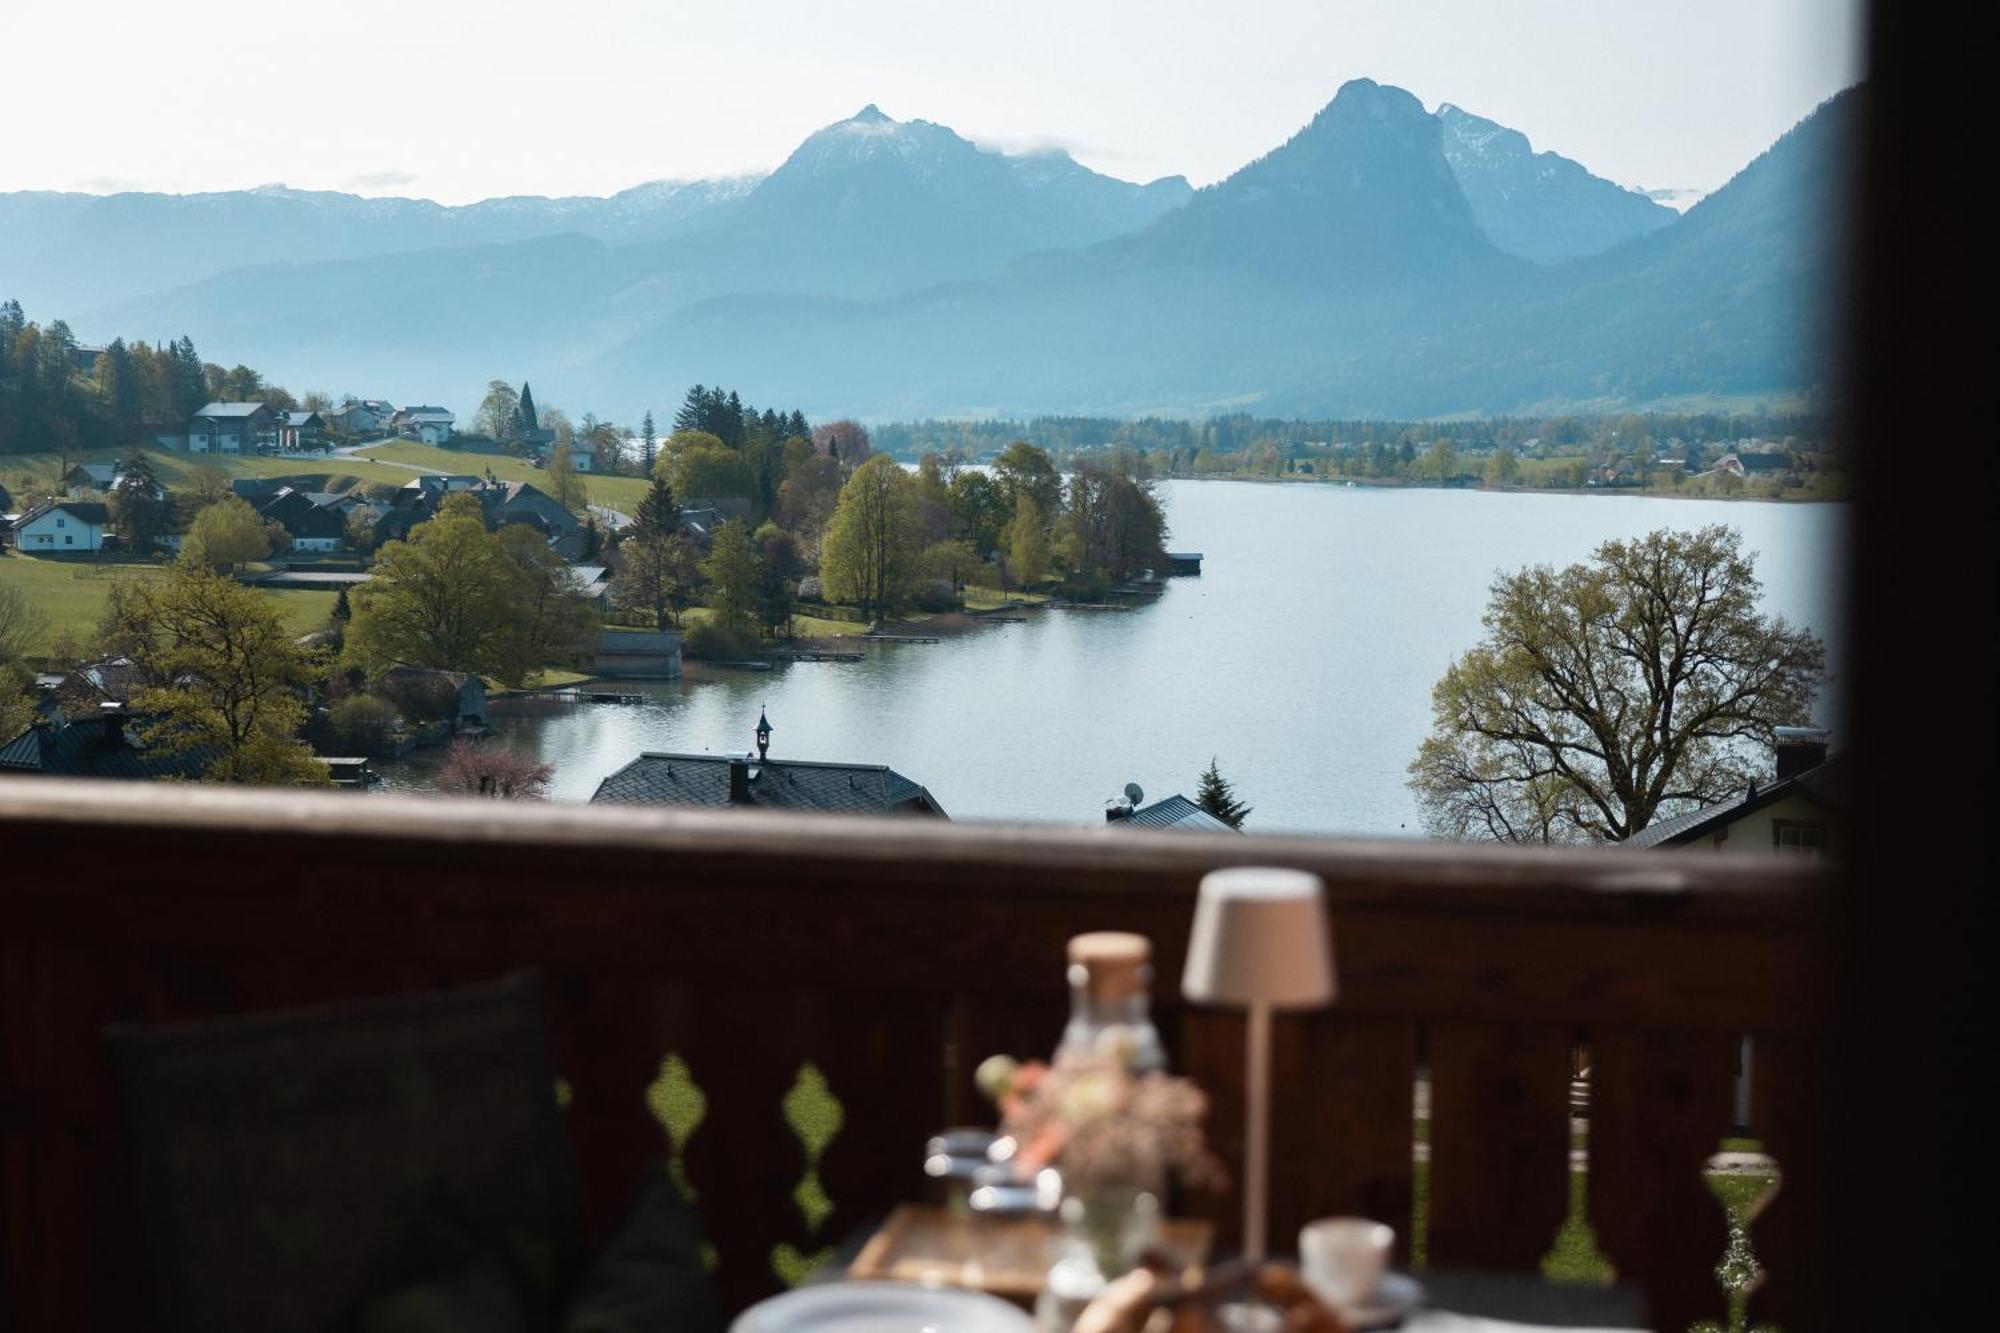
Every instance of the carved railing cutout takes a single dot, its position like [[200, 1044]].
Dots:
[[1744, 1179], [815, 1116], [679, 1106]]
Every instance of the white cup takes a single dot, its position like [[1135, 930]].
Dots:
[[1343, 1259]]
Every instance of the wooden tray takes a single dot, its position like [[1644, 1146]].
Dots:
[[1004, 1256]]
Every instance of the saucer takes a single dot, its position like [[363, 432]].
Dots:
[[1397, 1296]]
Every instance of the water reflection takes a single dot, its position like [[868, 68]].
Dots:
[[1301, 659]]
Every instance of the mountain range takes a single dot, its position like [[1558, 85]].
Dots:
[[1384, 260]]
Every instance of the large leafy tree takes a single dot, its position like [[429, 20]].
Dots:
[[1022, 469], [1115, 522], [232, 676], [459, 598], [732, 574], [874, 541], [699, 466], [226, 534], [566, 486], [21, 624], [498, 416], [1025, 541], [658, 573], [1610, 694]]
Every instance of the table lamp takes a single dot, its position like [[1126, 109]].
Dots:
[[1261, 942]]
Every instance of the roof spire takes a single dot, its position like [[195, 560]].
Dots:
[[763, 734]]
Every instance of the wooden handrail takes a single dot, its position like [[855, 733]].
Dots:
[[891, 955]]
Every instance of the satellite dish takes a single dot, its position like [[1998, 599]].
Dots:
[[1134, 794]]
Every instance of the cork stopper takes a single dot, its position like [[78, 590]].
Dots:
[[1111, 964]]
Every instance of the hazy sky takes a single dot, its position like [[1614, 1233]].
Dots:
[[457, 100]]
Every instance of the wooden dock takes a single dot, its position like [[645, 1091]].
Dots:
[[899, 638], [816, 655], [1089, 606], [571, 695], [755, 664]]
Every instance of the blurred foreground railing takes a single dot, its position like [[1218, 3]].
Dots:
[[791, 1005]]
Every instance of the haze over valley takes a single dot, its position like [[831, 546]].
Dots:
[[1387, 260]]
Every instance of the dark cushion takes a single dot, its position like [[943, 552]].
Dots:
[[301, 1172], [650, 1276]]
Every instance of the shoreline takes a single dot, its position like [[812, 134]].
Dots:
[[1629, 492]]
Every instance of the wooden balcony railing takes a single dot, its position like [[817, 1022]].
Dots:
[[781, 967]]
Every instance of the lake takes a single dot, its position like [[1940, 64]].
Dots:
[[1302, 660]]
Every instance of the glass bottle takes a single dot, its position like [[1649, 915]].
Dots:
[[1110, 979]]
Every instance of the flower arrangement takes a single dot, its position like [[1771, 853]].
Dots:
[[1104, 1127]]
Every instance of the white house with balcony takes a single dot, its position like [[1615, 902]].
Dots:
[[233, 428], [430, 425]]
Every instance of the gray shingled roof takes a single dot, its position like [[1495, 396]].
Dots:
[[84, 511], [1825, 784], [702, 780], [230, 410], [83, 750], [1174, 812]]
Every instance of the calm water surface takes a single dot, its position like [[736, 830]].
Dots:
[[1302, 660]]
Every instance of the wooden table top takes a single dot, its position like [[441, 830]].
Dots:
[[1005, 1256], [1010, 1256]]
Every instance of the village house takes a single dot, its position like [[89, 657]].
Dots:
[[1749, 464], [232, 428], [104, 746], [365, 417], [1174, 812], [315, 521], [624, 654], [455, 697], [63, 526], [1799, 812], [592, 582], [90, 477], [520, 502], [301, 432], [701, 518], [83, 690], [425, 424], [755, 781]]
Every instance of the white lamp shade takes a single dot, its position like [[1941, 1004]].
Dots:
[[1260, 937]]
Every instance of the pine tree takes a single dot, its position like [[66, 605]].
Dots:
[[342, 612], [1218, 798], [658, 514], [525, 410], [693, 413], [139, 505], [649, 443]]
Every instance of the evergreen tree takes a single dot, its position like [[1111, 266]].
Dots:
[[1218, 798], [732, 421], [658, 514], [693, 411], [139, 505], [525, 409], [118, 385], [342, 612], [649, 443]]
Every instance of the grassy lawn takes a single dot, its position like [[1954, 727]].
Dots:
[[70, 593], [621, 493], [26, 473]]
